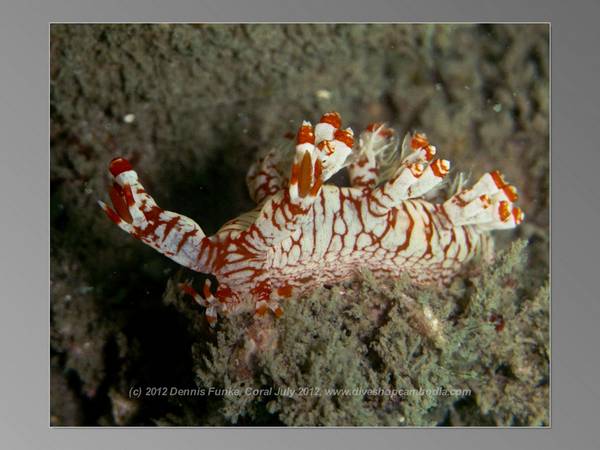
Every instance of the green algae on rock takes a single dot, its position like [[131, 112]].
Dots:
[[337, 356]]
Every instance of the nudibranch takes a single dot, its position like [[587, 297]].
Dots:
[[304, 233]]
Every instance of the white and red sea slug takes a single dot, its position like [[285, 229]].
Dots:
[[305, 233]]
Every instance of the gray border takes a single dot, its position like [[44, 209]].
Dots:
[[25, 223]]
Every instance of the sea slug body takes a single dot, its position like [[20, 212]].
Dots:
[[304, 233]]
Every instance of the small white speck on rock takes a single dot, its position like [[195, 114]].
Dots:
[[129, 118], [323, 94]]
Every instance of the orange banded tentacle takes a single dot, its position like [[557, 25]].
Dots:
[[265, 301], [214, 304], [416, 147], [417, 175], [333, 144], [302, 172], [187, 288], [487, 205], [290, 209], [431, 177], [327, 126]]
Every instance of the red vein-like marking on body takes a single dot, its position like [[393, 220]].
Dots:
[[409, 230], [386, 194], [324, 211], [317, 177], [169, 225], [241, 249], [436, 224], [391, 218], [467, 239], [250, 232], [296, 210], [452, 240], [286, 218], [184, 238], [441, 209], [153, 222], [357, 204], [428, 235], [383, 208], [206, 244]]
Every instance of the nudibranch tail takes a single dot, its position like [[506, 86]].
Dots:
[[136, 212]]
